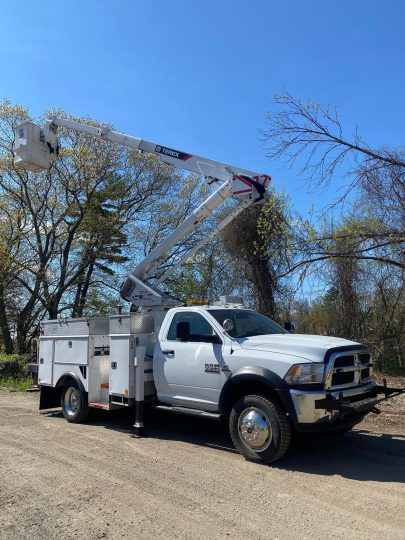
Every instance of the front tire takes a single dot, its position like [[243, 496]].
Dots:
[[260, 429], [74, 403]]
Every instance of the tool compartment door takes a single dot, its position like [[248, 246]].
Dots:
[[45, 361], [122, 369], [72, 350]]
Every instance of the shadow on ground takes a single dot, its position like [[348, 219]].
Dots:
[[358, 455]]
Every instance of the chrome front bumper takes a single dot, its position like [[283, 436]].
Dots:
[[305, 408]]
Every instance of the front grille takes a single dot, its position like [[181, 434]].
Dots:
[[365, 373], [349, 369], [344, 361], [342, 378]]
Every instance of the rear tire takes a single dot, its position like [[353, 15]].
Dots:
[[260, 429], [74, 403]]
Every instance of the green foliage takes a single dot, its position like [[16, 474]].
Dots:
[[272, 224], [380, 323], [16, 385], [191, 283], [4, 358], [259, 241], [101, 303], [14, 366], [13, 372]]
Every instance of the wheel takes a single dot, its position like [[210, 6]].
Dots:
[[260, 429], [74, 403]]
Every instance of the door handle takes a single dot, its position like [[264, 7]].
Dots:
[[168, 352]]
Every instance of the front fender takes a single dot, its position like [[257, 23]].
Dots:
[[256, 374]]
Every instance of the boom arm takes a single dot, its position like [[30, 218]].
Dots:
[[212, 234], [35, 148], [181, 160]]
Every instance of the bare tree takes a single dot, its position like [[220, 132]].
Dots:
[[313, 137], [359, 255]]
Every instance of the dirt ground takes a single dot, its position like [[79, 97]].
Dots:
[[62, 481]]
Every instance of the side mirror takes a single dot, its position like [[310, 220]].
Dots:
[[289, 326], [183, 331], [228, 325]]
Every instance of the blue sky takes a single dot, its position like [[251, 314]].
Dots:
[[200, 75]]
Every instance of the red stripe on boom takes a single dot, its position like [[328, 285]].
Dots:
[[239, 177]]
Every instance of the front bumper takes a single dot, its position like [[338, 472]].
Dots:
[[331, 409]]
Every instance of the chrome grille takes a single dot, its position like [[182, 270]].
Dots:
[[347, 369]]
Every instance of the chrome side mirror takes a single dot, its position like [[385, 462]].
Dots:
[[228, 325]]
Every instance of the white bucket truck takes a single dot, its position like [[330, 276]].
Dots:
[[221, 361]]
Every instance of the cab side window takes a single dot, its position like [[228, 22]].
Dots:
[[200, 328]]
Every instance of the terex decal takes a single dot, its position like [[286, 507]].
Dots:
[[172, 153]]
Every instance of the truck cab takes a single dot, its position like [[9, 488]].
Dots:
[[200, 365], [195, 358]]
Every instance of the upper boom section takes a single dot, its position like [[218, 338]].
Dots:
[[35, 148]]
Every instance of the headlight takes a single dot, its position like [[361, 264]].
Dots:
[[305, 374]]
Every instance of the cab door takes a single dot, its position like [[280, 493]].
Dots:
[[188, 372]]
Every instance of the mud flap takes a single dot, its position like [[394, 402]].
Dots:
[[49, 397]]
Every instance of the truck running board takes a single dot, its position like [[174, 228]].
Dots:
[[186, 410]]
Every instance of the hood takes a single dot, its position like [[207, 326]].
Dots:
[[303, 346]]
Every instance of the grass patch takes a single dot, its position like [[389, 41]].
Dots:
[[16, 385]]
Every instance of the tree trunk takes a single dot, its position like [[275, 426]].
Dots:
[[263, 284], [22, 332], [4, 326], [82, 291], [348, 317]]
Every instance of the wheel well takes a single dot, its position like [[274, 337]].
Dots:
[[63, 380], [245, 388], [69, 377]]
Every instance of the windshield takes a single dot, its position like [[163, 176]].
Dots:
[[247, 323]]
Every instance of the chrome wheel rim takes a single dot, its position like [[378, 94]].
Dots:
[[71, 401], [254, 429]]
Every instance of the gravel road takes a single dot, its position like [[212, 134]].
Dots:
[[59, 480]]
